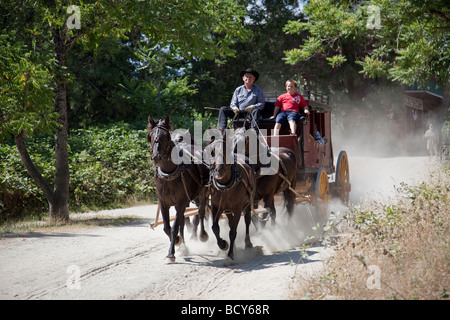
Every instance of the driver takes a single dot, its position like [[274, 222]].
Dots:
[[246, 98]]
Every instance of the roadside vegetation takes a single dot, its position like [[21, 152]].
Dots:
[[109, 165], [398, 250]]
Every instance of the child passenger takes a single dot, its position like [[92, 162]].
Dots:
[[289, 103]]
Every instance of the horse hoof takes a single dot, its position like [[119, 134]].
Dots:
[[169, 260], [204, 237], [225, 246], [229, 262], [259, 250], [178, 241]]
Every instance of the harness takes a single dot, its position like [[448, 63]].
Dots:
[[236, 178], [179, 171]]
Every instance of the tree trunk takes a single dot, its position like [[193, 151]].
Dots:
[[59, 207], [31, 168], [58, 204], [58, 198]]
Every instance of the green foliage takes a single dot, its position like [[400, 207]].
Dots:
[[34, 53], [200, 28], [25, 90], [409, 43], [336, 60], [19, 195], [262, 50], [373, 67], [332, 27], [108, 165]]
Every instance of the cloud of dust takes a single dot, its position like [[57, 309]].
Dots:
[[373, 132], [374, 125], [375, 178], [286, 234]]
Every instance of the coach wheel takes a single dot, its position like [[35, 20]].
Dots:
[[322, 194], [342, 179]]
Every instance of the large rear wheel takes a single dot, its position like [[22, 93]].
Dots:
[[322, 195], [342, 179]]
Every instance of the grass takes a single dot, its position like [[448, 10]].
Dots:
[[391, 251], [31, 225]]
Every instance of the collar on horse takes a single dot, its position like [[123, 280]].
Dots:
[[168, 176], [235, 179], [177, 172]]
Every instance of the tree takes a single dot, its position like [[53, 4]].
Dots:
[[262, 50], [405, 40], [50, 28]]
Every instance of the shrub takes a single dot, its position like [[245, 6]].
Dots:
[[108, 165], [395, 251]]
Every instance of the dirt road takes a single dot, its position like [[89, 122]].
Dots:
[[127, 262]]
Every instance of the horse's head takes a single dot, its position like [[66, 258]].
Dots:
[[160, 140], [217, 155]]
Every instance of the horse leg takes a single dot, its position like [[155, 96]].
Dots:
[[203, 234], [201, 215], [234, 221], [181, 208], [175, 239], [166, 219], [195, 222], [259, 220], [289, 199], [188, 224], [248, 220], [230, 219], [223, 245], [269, 204]]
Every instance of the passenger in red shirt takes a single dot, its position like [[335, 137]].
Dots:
[[289, 103]]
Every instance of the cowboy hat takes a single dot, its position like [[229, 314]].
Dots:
[[250, 70]]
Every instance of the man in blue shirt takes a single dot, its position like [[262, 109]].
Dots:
[[246, 98]]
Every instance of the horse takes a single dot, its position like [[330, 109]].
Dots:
[[277, 178], [232, 189], [177, 183]]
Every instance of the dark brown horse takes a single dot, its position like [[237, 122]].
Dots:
[[177, 182], [275, 170], [232, 188]]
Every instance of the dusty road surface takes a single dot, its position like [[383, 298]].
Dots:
[[127, 262]]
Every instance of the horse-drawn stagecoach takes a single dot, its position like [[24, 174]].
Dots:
[[313, 148], [306, 168]]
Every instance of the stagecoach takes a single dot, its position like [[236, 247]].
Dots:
[[318, 178]]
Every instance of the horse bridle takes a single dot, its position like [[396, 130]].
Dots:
[[165, 154]]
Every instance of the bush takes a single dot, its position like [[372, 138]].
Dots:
[[19, 195], [108, 165], [395, 251]]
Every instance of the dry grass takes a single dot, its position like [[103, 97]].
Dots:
[[396, 251], [23, 228]]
